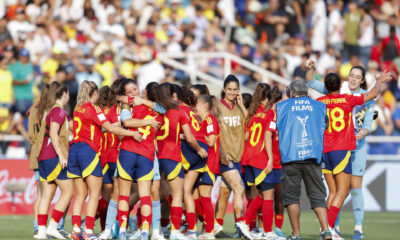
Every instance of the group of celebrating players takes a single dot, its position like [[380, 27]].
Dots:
[[164, 149]]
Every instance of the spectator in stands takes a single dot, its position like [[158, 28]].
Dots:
[[318, 26], [335, 26], [366, 38], [19, 27], [301, 70], [384, 120], [23, 75], [150, 70], [5, 36], [326, 61], [390, 46], [352, 21], [6, 85]]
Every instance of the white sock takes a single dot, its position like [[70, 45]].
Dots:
[[122, 230], [52, 225], [77, 229], [358, 227], [41, 230]]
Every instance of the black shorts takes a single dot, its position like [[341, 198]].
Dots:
[[311, 174]]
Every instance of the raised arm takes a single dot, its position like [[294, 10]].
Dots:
[[373, 93], [310, 78]]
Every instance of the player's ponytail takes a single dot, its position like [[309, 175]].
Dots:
[[276, 96], [104, 94], [115, 86], [262, 92], [164, 93], [86, 91], [151, 91], [43, 101], [188, 97]]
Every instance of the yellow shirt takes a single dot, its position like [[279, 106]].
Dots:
[[127, 69], [106, 70], [4, 119], [50, 67], [6, 88]]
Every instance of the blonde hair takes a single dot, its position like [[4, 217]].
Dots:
[[86, 92]]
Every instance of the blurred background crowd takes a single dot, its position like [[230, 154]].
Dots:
[[100, 40]]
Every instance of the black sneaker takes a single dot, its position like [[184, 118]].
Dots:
[[326, 235]]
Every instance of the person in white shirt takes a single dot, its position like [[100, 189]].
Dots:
[[150, 71], [335, 26], [19, 28], [326, 61], [318, 28], [366, 39]]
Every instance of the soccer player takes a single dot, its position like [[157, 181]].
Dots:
[[135, 163], [169, 152], [340, 140], [258, 159], [206, 180], [232, 115], [83, 158], [53, 159], [192, 162], [363, 117]]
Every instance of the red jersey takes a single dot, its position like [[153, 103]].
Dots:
[[211, 126], [145, 148], [256, 155], [110, 141], [194, 125], [88, 120], [168, 140], [275, 149], [340, 134], [57, 115]]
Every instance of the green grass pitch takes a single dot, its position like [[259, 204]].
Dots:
[[376, 226]]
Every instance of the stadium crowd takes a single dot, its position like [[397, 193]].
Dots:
[[100, 40]]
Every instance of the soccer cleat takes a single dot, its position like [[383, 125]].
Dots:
[[218, 228], [89, 236], [144, 235], [272, 236], [35, 234], [358, 235], [176, 235], [76, 236], [294, 238], [165, 231], [53, 232], [243, 229], [122, 235], [256, 235], [64, 232], [326, 235], [133, 236], [115, 230], [41, 232], [157, 235], [335, 234], [207, 236], [105, 235], [279, 232], [192, 234]]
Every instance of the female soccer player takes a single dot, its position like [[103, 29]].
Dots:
[[363, 117], [192, 162], [83, 160], [169, 152], [232, 124], [135, 163], [53, 159], [206, 179], [340, 140], [258, 159]]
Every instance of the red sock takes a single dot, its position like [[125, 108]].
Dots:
[[76, 221], [332, 215], [278, 220], [42, 219], [103, 204], [164, 222], [176, 217], [220, 221], [199, 209], [57, 215], [251, 212], [90, 222], [146, 220], [268, 214], [123, 215], [139, 217], [191, 220], [169, 200], [239, 219], [208, 213]]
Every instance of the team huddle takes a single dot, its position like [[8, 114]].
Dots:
[[163, 149]]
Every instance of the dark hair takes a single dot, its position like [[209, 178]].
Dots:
[[151, 91], [114, 90], [207, 99], [188, 97], [276, 96], [104, 94], [177, 90], [124, 82], [363, 85], [43, 101], [230, 78], [202, 88], [164, 93], [60, 90], [332, 82], [262, 92], [246, 99]]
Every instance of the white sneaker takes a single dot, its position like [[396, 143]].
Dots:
[[53, 232], [41, 232], [218, 228], [105, 235], [207, 236], [272, 236], [335, 234], [243, 229], [157, 235], [176, 235], [256, 235], [133, 235]]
